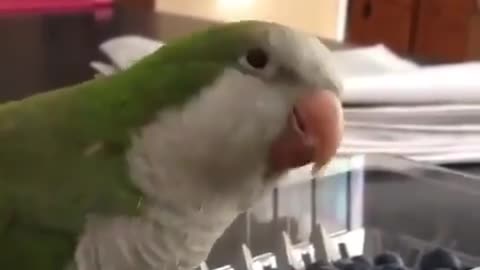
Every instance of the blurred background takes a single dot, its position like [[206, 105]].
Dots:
[[435, 30], [432, 30], [410, 71]]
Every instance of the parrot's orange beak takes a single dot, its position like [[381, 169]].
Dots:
[[313, 134]]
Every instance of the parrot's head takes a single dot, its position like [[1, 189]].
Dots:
[[271, 104]]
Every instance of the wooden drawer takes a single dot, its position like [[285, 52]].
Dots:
[[473, 52], [381, 21], [443, 29], [440, 39], [448, 8]]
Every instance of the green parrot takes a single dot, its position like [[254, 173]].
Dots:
[[146, 168]]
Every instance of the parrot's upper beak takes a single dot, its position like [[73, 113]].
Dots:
[[322, 118], [313, 133]]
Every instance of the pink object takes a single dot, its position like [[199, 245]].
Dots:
[[41, 6]]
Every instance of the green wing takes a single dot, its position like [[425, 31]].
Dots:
[[62, 155]]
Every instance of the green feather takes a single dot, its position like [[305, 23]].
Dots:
[[62, 153]]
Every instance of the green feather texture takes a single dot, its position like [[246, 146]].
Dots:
[[62, 153]]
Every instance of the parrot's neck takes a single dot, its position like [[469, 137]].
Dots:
[[217, 143], [197, 173]]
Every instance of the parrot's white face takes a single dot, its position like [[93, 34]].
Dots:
[[275, 109], [202, 164]]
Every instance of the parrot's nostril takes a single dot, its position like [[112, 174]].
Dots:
[[298, 121]]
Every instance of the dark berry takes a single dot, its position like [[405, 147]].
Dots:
[[439, 258], [362, 262], [391, 266], [342, 264], [388, 258], [319, 265]]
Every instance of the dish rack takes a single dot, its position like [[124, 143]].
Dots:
[[360, 209]]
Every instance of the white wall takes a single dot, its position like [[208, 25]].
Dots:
[[321, 17]]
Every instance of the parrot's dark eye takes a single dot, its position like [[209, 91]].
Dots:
[[257, 58]]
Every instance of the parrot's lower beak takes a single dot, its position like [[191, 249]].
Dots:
[[313, 134]]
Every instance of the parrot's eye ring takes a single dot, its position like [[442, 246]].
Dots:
[[257, 58]]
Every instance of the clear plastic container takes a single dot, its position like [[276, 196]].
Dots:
[[362, 205]]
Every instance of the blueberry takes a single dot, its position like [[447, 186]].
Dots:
[[390, 266], [343, 264], [362, 262], [354, 266], [439, 258], [388, 258], [348, 264], [319, 265]]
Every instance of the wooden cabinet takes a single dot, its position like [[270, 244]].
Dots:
[[473, 49], [381, 21], [443, 29], [438, 30]]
